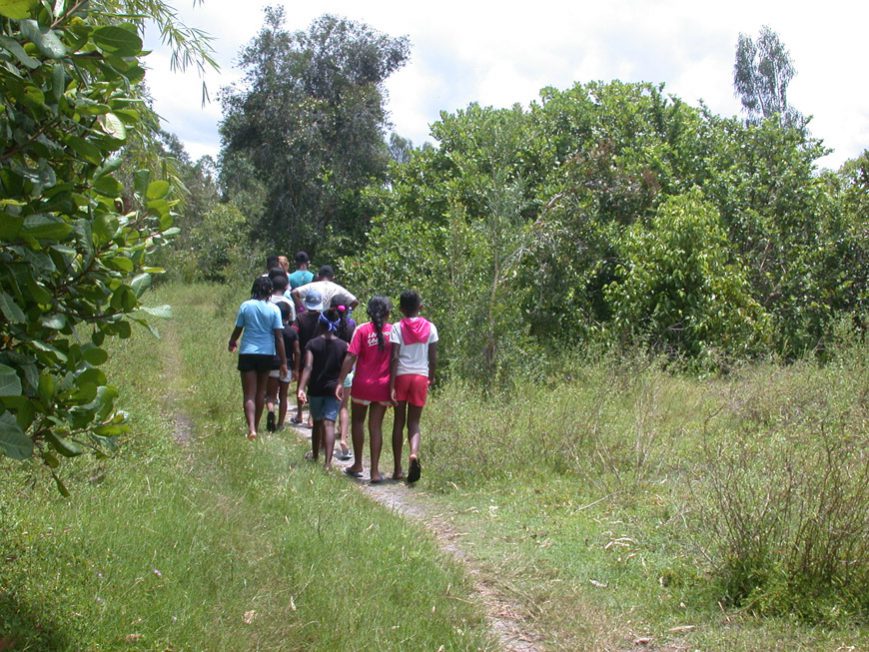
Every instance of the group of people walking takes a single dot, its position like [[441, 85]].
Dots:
[[298, 327]]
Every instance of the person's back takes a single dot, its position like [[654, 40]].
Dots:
[[302, 276]]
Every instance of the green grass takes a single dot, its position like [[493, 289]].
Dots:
[[590, 502], [174, 546]]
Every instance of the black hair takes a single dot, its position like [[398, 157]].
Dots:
[[284, 307], [272, 262], [339, 308], [409, 302], [378, 310], [302, 257], [279, 279], [326, 273], [262, 288]]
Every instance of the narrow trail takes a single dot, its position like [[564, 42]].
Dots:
[[504, 615]]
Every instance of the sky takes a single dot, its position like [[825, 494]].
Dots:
[[501, 53]]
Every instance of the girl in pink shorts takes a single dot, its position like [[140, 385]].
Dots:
[[412, 371], [370, 350]]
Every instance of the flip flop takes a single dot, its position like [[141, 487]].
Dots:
[[415, 470], [353, 474], [379, 481], [343, 456]]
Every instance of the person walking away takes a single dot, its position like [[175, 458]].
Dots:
[[302, 276], [371, 352], [324, 356], [278, 386], [307, 324], [258, 322], [412, 372], [340, 302]]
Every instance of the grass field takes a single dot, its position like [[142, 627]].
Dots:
[[611, 507]]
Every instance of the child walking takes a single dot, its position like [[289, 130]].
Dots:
[[324, 356], [262, 348], [412, 371], [278, 386], [371, 352]]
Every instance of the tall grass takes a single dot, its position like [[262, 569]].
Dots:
[[216, 543]]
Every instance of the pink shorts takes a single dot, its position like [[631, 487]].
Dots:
[[412, 388]]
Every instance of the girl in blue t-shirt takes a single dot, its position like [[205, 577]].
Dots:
[[259, 323]]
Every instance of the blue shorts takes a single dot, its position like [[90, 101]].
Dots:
[[324, 408]]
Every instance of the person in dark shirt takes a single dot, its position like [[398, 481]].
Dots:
[[278, 386], [306, 325], [324, 356]]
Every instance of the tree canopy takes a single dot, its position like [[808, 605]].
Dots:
[[305, 131]]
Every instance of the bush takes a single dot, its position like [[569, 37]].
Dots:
[[783, 496]]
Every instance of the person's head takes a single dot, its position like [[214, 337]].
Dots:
[[262, 288], [279, 281], [313, 301], [326, 273], [272, 262], [284, 307], [378, 309], [302, 259], [409, 303], [284, 263], [334, 318]]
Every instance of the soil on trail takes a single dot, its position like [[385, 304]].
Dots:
[[506, 619]]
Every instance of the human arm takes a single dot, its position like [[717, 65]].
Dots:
[[346, 366], [282, 353], [297, 358], [306, 374], [432, 362], [233, 339], [393, 369]]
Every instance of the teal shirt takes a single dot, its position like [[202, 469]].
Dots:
[[300, 277]]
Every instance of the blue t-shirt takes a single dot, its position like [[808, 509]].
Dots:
[[260, 320], [299, 278]]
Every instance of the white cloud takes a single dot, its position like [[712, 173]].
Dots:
[[502, 53]]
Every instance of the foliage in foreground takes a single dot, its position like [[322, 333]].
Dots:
[[74, 241]]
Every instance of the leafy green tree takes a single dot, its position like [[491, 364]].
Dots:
[[680, 289], [308, 124], [74, 241], [761, 75]]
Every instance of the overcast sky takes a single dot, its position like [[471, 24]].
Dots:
[[500, 53]]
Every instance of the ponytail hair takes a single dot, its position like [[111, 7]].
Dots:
[[378, 309]]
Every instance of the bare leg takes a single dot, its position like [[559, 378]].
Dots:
[[262, 381], [298, 417], [271, 393], [328, 429], [248, 390], [414, 412], [315, 439], [398, 438], [344, 420], [282, 397], [357, 429], [375, 435]]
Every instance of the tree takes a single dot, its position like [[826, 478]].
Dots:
[[309, 124], [74, 241], [761, 75]]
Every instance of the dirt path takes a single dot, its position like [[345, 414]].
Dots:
[[505, 616]]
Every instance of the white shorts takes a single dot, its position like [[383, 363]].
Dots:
[[276, 373]]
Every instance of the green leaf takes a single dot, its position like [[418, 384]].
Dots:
[[87, 150], [108, 186], [45, 227], [60, 486], [157, 190], [93, 354], [118, 41], [13, 46], [164, 311], [11, 310], [64, 446], [141, 178], [141, 283], [47, 388], [17, 9], [47, 42], [113, 126], [10, 383], [55, 322], [13, 442], [119, 263]]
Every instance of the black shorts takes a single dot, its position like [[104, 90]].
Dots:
[[258, 363]]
